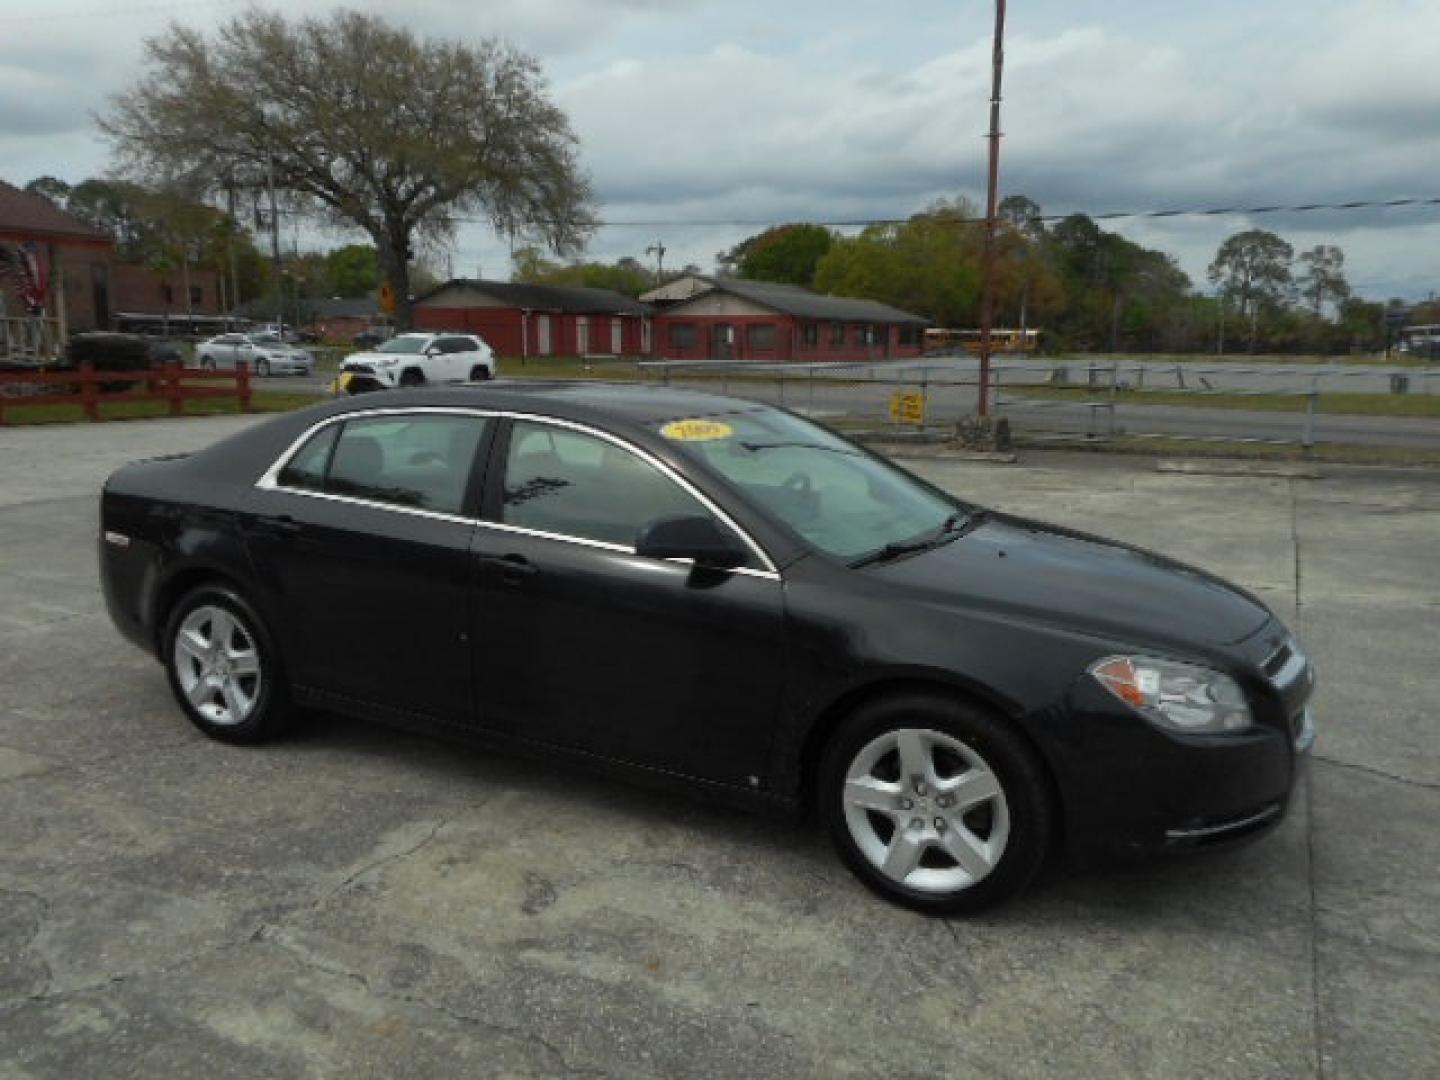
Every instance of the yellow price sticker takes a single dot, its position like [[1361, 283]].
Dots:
[[696, 430]]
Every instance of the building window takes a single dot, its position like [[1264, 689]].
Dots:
[[837, 335], [197, 294], [167, 293], [810, 335], [871, 334], [761, 337], [682, 335], [909, 334]]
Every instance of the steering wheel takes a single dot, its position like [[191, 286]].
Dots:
[[798, 483]]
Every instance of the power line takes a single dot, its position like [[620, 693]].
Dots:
[[1109, 215], [858, 223]]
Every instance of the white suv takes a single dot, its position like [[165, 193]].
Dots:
[[417, 359]]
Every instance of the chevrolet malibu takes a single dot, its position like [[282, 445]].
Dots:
[[711, 594]]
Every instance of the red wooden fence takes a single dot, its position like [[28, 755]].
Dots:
[[176, 385]]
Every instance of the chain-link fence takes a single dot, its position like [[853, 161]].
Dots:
[[1283, 404]]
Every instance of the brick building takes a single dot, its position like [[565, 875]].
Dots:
[[721, 318], [89, 288], [538, 320]]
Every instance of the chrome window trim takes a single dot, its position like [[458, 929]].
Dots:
[[269, 481]]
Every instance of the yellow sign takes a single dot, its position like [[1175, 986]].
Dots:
[[907, 408], [696, 430], [387, 298]]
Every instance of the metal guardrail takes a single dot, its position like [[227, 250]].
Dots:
[[1104, 390]]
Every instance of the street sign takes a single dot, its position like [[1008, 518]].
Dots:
[[907, 408], [387, 298]]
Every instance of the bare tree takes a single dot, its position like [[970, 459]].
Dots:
[[379, 129]]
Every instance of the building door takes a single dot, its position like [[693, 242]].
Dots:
[[617, 328], [582, 336], [722, 346], [542, 334], [645, 347]]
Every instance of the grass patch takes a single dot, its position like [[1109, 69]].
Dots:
[[1328, 453], [1104, 360], [1337, 404], [19, 415]]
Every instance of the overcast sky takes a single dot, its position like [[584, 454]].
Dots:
[[741, 110]]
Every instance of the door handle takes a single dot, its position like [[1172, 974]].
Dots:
[[283, 526], [512, 568]]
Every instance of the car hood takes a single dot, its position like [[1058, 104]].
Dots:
[[1051, 575]]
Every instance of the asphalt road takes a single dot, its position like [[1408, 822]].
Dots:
[[353, 902]]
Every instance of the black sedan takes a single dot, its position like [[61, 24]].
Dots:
[[711, 593]]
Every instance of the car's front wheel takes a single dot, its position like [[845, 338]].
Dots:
[[411, 377], [935, 804], [223, 669]]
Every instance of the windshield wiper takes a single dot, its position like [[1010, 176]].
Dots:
[[754, 446], [952, 528]]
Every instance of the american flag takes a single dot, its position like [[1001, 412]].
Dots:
[[26, 271]]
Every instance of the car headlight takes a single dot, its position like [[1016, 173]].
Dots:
[[1177, 697], [385, 361]]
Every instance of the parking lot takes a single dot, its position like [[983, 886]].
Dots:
[[357, 902]]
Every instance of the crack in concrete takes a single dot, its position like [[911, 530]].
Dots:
[[306, 960], [1382, 774], [111, 981]]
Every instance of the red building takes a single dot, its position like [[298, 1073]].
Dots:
[[66, 268], [539, 320], [721, 318]]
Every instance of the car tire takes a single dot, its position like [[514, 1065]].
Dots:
[[479, 373], [411, 377], [208, 363], [238, 699], [262, 367], [908, 780]]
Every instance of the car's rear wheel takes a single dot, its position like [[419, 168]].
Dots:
[[223, 668], [207, 362], [934, 804], [262, 367], [411, 377], [479, 373]]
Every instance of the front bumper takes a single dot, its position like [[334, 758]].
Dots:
[[362, 378], [1130, 790]]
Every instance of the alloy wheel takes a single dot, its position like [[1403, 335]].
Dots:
[[217, 665], [926, 810]]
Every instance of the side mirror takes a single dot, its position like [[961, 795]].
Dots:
[[697, 537]]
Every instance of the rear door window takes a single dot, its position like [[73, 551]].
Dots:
[[419, 461]]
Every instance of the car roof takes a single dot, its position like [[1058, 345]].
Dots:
[[594, 401]]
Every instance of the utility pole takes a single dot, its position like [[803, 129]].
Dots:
[[275, 247], [992, 198], [230, 238], [658, 250]]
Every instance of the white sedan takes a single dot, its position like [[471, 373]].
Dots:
[[264, 354]]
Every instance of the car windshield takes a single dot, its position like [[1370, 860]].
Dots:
[[837, 497], [410, 343]]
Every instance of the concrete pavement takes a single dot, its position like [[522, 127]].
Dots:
[[355, 902]]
